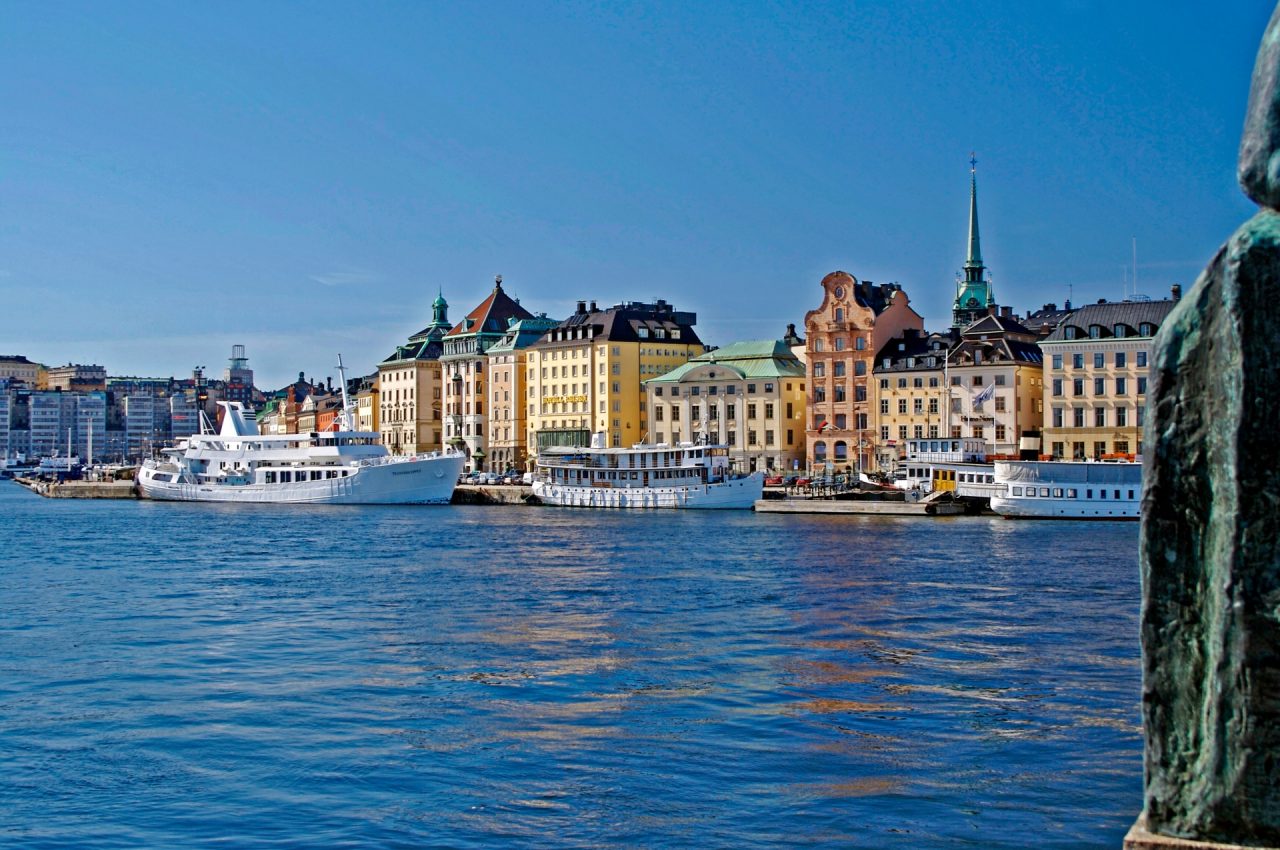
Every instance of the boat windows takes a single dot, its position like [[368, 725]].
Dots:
[[271, 477], [1017, 491], [1057, 492], [1130, 494], [1071, 493], [286, 477], [1088, 494], [1044, 492], [1117, 492]]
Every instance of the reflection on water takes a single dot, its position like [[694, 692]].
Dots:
[[178, 675]]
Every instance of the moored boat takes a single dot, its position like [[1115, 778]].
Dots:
[[339, 467], [1055, 489], [687, 475]]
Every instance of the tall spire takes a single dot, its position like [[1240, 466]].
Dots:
[[974, 259]]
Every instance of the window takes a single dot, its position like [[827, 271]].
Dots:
[[1099, 417], [860, 343], [884, 433], [1099, 386], [1077, 361], [837, 369], [1077, 386], [933, 406], [1000, 380], [917, 406], [751, 410], [884, 408], [1120, 359], [902, 383], [1057, 386], [657, 413], [768, 438], [1122, 386], [859, 367], [999, 404], [902, 405], [917, 431], [1146, 329], [1095, 331], [1057, 361], [1078, 418], [1142, 386], [695, 411], [839, 342], [902, 432], [1057, 417], [1122, 418], [1141, 358], [768, 410], [1099, 360], [977, 380], [731, 412]]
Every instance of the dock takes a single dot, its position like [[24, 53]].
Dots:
[[81, 489], [858, 507]]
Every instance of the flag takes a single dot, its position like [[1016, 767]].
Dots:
[[984, 395], [823, 426]]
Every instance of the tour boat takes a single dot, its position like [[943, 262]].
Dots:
[[339, 467], [687, 475], [1054, 489]]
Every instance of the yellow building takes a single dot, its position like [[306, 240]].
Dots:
[[410, 389], [587, 374], [367, 404], [18, 368], [1095, 388]]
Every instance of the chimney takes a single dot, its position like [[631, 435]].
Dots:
[[582, 306], [593, 307], [1007, 312], [1066, 305], [1176, 291], [992, 310]]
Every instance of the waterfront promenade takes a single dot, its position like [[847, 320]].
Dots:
[[199, 675]]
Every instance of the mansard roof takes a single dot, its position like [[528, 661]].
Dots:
[[632, 321], [757, 358], [1106, 315]]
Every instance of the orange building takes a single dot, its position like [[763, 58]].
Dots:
[[842, 335]]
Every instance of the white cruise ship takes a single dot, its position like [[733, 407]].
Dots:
[[687, 475], [1054, 489], [342, 467]]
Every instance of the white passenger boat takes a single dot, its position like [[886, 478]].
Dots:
[[687, 475], [340, 467], [1052, 489]]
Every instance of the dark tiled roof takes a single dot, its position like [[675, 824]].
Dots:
[[915, 347], [1131, 314], [491, 315], [622, 322]]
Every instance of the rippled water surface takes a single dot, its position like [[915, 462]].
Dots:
[[197, 676]]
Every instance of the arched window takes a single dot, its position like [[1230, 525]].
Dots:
[[820, 450], [842, 450]]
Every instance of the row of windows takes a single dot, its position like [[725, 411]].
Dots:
[[1064, 493], [1079, 418], [1121, 447], [731, 438], [838, 368], [713, 412], [839, 394], [729, 390], [1117, 330], [1120, 359], [841, 343], [1099, 386]]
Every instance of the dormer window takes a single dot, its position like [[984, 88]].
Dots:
[[675, 333], [1118, 330], [1069, 332], [1095, 331], [1146, 329], [659, 333], [643, 333]]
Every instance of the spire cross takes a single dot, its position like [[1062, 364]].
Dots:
[[973, 161]]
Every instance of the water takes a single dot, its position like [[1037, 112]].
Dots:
[[197, 676]]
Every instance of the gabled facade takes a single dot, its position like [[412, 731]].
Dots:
[[410, 389], [748, 396], [910, 399], [855, 319], [463, 360], [996, 384]]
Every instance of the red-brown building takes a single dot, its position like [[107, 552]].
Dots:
[[842, 335]]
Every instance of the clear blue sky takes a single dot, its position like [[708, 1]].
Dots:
[[301, 178]]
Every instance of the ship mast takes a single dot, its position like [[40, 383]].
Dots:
[[348, 418]]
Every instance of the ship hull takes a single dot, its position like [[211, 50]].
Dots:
[[423, 481], [736, 494]]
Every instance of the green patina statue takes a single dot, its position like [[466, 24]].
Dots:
[[1211, 524]]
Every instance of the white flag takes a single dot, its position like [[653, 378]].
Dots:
[[984, 395]]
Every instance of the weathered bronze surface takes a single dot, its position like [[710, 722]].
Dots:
[[1210, 546]]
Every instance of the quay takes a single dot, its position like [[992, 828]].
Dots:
[[76, 489]]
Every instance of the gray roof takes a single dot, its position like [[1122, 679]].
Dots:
[[1108, 314]]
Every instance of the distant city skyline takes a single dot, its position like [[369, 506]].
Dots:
[[303, 180]]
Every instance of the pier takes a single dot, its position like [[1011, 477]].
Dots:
[[81, 489]]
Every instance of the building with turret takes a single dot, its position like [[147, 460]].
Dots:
[[410, 391]]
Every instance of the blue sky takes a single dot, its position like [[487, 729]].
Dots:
[[301, 178]]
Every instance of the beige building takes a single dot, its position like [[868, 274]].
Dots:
[[410, 391], [854, 321], [15, 367], [78, 378], [463, 359], [367, 404], [1097, 367], [587, 374], [508, 397], [748, 396]]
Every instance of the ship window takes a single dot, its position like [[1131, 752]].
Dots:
[[1057, 492], [286, 477], [1088, 494], [1130, 494], [1117, 492], [1102, 494], [1071, 494], [1017, 491], [271, 478], [1044, 492]]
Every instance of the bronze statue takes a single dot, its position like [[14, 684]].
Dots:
[[1210, 547]]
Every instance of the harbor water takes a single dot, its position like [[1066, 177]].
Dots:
[[189, 675]]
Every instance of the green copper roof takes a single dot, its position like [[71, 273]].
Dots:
[[757, 358], [974, 258]]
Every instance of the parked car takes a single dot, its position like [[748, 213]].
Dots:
[[801, 482], [773, 481]]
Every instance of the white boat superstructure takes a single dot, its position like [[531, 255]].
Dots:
[[1054, 489], [687, 475], [340, 467]]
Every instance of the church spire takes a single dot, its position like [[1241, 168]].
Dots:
[[974, 259]]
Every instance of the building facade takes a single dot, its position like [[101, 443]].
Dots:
[[855, 319], [410, 390], [749, 396], [466, 388], [76, 377], [15, 367], [508, 398], [996, 384], [587, 374], [1096, 374]]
